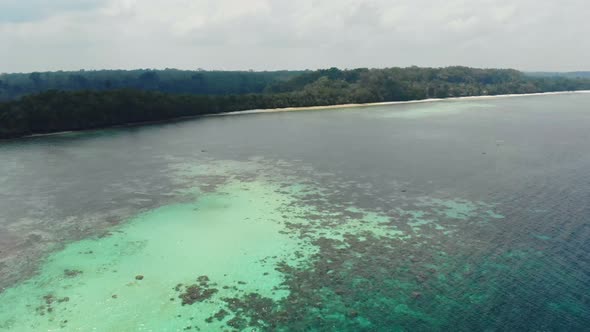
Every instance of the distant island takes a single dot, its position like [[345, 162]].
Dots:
[[39, 103]]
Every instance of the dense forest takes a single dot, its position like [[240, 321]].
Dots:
[[572, 74], [54, 102], [13, 86]]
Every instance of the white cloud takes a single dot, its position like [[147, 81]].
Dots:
[[274, 34], [29, 10]]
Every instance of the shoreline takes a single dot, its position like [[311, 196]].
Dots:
[[305, 108], [416, 101]]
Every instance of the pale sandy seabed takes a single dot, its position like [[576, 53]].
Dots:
[[273, 244], [239, 243]]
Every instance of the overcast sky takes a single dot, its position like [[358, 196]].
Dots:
[[38, 35]]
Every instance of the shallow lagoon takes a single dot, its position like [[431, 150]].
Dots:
[[463, 215]]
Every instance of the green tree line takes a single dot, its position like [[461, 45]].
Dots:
[[13, 86], [62, 110]]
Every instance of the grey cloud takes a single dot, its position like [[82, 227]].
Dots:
[[279, 34]]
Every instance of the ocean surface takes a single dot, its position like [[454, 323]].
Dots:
[[469, 215]]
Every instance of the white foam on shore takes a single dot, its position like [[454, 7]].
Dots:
[[52, 134], [309, 108], [430, 100]]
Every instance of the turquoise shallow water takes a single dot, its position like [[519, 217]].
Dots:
[[467, 216], [249, 239], [224, 236]]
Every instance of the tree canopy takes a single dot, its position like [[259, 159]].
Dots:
[[13, 86], [140, 96]]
